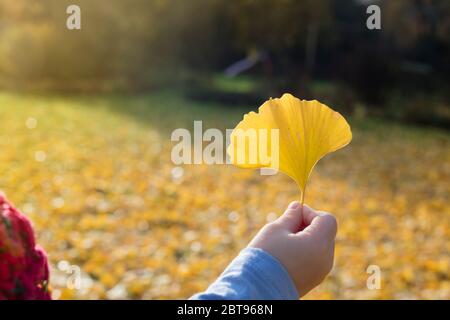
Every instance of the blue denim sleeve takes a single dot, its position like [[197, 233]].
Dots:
[[253, 274]]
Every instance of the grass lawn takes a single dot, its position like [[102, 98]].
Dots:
[[95, 176]]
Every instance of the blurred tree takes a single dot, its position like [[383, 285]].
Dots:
[[136, 44]]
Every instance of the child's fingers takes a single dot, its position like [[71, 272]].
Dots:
[[323, 226], [308, 215], [291, 219]]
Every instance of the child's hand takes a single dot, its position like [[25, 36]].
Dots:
[[303, 244]]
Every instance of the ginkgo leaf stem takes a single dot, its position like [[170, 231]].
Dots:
[[302, 201]]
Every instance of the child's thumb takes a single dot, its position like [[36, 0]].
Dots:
[[291, 219]]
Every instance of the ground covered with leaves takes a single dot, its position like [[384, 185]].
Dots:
[[95, 176]]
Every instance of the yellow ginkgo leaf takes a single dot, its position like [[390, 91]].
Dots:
[[290, 135]]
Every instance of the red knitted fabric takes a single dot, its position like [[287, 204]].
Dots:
[[23, 265]]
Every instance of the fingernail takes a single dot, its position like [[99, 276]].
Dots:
[[294, 205]]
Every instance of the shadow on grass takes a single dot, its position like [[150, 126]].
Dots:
[[166, 110]]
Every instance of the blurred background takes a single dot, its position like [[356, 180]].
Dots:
[[86, 117]]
